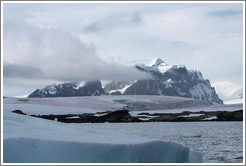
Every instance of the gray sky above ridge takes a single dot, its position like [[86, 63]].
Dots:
[[45, 43]]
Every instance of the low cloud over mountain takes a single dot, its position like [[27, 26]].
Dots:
[[34, 53]]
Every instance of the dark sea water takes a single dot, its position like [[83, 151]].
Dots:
[[219, 142]]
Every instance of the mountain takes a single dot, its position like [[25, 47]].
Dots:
[[92, 88], [164, 79], [237, 94], [225, 89], [236, 97], [170, 80]]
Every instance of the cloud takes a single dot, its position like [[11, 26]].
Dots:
[[94, 27], [34, 53], [225, 13], [113, 22], [137, 18], [17, 71]]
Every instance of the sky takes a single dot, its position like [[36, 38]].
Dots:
[[46, 43]]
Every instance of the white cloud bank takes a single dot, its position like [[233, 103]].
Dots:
[[34, 53]]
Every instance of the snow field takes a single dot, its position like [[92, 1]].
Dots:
[[234, 101], [88, 104]]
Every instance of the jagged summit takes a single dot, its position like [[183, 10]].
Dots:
[[156, 65], [157, 61]]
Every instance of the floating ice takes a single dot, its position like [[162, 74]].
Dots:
[[190, 134], [28, 150], [45, 141]]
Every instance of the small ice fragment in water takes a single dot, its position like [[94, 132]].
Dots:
[[191, 134]]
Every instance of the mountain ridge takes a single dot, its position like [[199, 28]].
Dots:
[[169, 80]]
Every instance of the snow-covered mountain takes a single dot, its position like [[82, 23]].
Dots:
[[236, 97], [169, 80], [226, 89], [93, 88], [237, 94]]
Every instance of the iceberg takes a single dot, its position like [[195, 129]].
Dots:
[[28, 139], [27, 150]]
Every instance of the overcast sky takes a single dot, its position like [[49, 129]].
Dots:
[[61, 42]]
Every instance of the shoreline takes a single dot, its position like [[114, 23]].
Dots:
[[123, 116]]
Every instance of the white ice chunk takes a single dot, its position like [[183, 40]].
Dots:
[[210, 118], [191, 115], [73, 117]]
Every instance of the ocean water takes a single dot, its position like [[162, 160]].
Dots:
[[219, 142]]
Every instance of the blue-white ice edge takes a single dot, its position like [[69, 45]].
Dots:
[[30, 150]]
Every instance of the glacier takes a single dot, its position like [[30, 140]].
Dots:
[[32, 140]]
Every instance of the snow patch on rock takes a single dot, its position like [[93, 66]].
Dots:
[[79, 85], [120, 90]]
